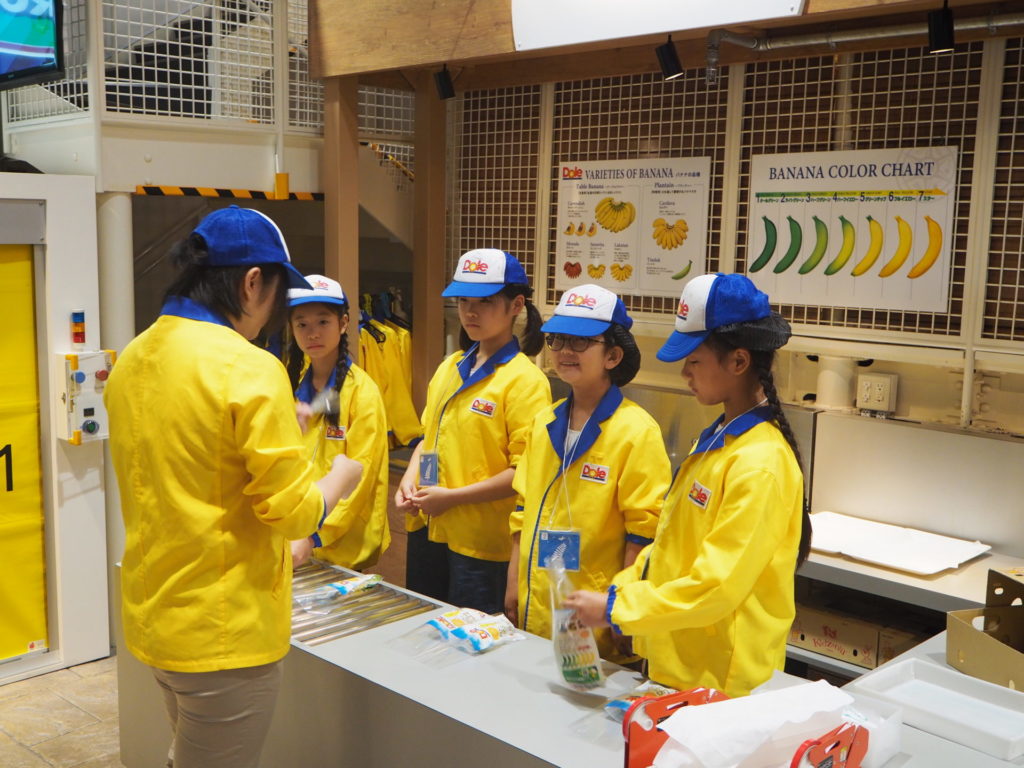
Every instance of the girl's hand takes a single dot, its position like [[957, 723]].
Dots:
[[434, 500], [512, 602], [589, 607], [303, 413], [404, 494], [301, 551]]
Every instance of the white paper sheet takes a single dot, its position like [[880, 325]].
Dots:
[[893, 546]]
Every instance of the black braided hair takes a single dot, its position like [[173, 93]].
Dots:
[[623, 373], [531, 341], [294, 359], [762, 361]]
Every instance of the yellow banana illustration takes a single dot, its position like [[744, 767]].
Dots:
[[670, 236], [593, 229], [874, 248], [581, 229], [571, 229], [621, 272], [845, 250], [906, 239], [613, 215], [595, 270], [931, 253]]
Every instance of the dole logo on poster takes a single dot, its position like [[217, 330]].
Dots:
[[572, 173], [474, 267], [580, 300], [595, 473]]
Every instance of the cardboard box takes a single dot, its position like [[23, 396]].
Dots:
[[834, 635], [893, 642], [988, 643]]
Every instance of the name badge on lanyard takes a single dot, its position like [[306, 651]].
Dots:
[[567, 542], [428, 469]]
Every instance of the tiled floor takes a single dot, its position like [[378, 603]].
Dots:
[[68, 719]]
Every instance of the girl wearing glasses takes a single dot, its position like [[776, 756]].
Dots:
[[594, 471], [710, 602], [457, 492]]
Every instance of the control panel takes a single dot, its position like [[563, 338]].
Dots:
[[78, 383]]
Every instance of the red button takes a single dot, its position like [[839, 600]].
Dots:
[[102, 374]]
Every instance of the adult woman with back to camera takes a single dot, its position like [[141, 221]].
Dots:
[[214, 483]]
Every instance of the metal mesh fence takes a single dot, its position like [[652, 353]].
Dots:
[[386, 113], [305, 95]]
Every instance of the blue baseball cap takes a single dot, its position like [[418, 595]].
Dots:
[[587, 310], [238, 237], [484, 272], [323, 291], [709, 302]]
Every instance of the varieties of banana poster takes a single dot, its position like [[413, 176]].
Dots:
[[632, 226], [868, 229]]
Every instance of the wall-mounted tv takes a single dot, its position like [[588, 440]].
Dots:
[[31, 42]]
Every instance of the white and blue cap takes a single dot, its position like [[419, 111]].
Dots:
[[323, 291], [237, 237], [587, 310], [484, 272], [709, 302]]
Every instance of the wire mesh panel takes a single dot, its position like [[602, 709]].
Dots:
[[185, 59], [494, 174], [875, 100], [305, 95], [1004, 286], [635, 117], [386, 112], [62, 97]]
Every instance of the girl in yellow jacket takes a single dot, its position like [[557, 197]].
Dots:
[[594, 471], [457, 491], [711, 601], [351, 423], [214, 483]]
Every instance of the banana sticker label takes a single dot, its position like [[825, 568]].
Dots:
[[483, 407], [700, 495], [336, 433], [595, 473]]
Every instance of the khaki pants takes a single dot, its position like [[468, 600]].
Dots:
[[219, 719]]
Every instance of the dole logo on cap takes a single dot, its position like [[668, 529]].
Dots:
[[477, 267], [322, 284], [580, 300], [684, 310]]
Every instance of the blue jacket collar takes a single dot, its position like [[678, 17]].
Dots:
[[502, 356], [305, 391], [710, 439], [180, 306], [558, 427]]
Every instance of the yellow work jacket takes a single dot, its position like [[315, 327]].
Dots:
[[355, 533], [611, 492], [477, 424], [710, 602], [382, 360], [214, 481]]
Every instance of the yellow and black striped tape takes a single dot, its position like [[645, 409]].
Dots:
[[165, 190]]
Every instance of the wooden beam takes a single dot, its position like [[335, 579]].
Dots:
[[340, 172], [429, 217]]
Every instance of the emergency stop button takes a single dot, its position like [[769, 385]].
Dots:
[[90, 427], [102, 374]]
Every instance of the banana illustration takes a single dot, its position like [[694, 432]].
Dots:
[[874, 248], [593, 229], [770, 239], [613, 215], [931, 253], [820, 246], [845, 250], [621, 272], [581, 229], [670, 236], [571, 229], [796, 237], [595, 270], [683, 272], [906, 239]]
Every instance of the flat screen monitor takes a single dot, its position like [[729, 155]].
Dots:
[[31, 42]]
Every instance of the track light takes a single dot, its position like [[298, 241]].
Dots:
[[940, 29], [443, 83], [669, 60]]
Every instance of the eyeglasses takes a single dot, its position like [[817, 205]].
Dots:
[[556, 341]]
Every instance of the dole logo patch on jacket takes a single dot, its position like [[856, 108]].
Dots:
[[595, 473], [700, 495], [336, 433], [483, 407]]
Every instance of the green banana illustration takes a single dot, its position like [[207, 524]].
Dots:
[[845, 250], [770, 238], [683, 272], [796, 236], [820, 246]]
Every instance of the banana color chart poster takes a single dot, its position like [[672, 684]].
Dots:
[[632, 226], [870, 229]]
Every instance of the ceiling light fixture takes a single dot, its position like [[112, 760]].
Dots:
[[669, 60], [940, 29]]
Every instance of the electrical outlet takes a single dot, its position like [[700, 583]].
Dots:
[[877, 392]]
